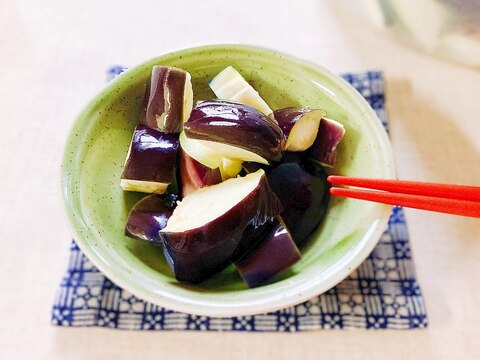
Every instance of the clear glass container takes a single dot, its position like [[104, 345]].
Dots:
[[446, 28]]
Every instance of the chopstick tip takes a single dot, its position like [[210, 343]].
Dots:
[[332, 179]]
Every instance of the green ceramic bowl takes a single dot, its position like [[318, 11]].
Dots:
[[97, 208]]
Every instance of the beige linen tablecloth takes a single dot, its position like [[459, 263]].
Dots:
[[52, 58]]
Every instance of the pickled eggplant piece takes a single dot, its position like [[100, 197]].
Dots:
[[303, 196], [252, 235], [208, 225], [229, 84], [169, 99], [203, 154], [232, 152], [150, 162], [236, 131], [324, 149], [208, 157], [149, 216], [275, 253], [300, 126], [195, 175]]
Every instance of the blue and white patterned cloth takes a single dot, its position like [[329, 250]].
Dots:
[[382, 293]]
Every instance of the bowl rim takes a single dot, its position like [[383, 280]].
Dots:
[[333, 275]]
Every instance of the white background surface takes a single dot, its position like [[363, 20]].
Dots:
[[53, 57]]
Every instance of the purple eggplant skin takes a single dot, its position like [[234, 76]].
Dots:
[[200, 266], [287, 118], [250, 167], [164, 95], [152, 156], [238, 125], [149, 216], [303, 195], [293, 157], [275, 253], [324, 148], [252, 235], [197, 254]]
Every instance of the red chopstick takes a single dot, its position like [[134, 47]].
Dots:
[[450, 199]]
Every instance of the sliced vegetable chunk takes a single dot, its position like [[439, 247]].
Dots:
[[200, 152], [150, 162], [149, 216], [275, 253], [169, 99], [208, 155], [207, 226], [300, 126], [229, 84], [324, 149], [237, 125], [232, 152], [303, 196]]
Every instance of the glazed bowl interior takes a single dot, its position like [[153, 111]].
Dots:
[[97, 208]]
